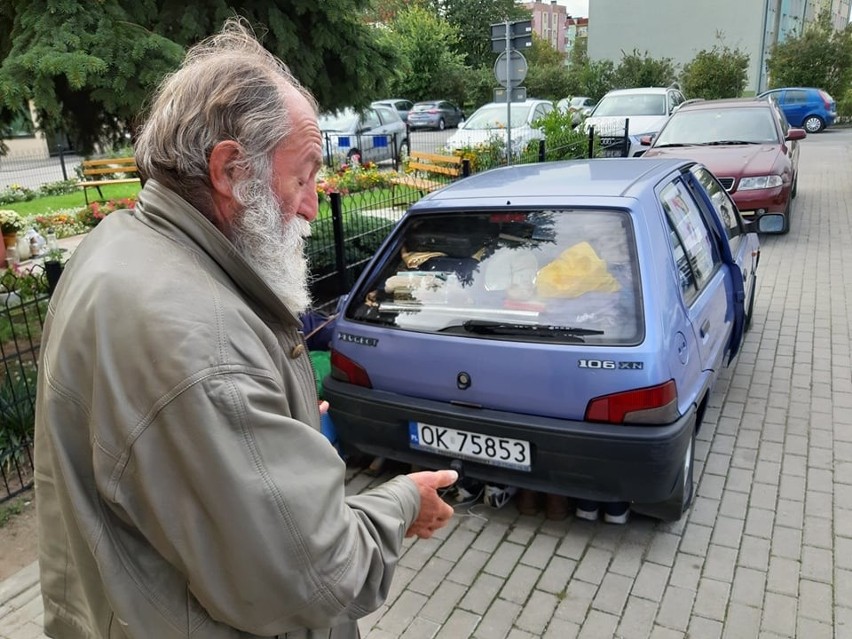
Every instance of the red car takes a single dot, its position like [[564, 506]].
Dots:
[[748, 146]]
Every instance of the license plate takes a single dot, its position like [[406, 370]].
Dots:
[[612, 152], [495, 451]]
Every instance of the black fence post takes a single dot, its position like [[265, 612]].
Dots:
[[465, 167], [625, 148], [62, 162], [541, 151], [336, 202], [591, 142]]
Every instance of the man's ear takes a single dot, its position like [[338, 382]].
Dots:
[[223, 167]]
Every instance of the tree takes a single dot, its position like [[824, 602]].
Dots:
[[89, 66], [473, 19], [641, 70], [716, 73], [548, 76], [820, 57], [428, 68], [593, 79]]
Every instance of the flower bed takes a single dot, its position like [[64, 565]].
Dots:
[[352, 178]]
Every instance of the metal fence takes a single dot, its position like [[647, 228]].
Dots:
[[33, 169], [23, 306]]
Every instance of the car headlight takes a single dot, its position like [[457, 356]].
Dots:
[[760, 182]]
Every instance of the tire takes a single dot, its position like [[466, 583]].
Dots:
[[441, 124], [813, 124], [675, 506], [795, 190], [787, 213], [405, 144]]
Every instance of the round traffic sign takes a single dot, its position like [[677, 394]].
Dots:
[[511, 70]]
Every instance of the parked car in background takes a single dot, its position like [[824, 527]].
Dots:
[[748, 146], [490, 123], [806, 107], [435, 114], [579, 107], [555, 326], [373, 134], [643, 111], [401, 106]]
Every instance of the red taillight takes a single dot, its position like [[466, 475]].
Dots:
[[432, 111], [345, 370], [650, 405]]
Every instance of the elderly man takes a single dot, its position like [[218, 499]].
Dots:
[[182, 484]]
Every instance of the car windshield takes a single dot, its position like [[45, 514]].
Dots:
[[493, 116], [632, 104], [339, 121], [424, 106], [564, 276], [577, 102], [717, 126]]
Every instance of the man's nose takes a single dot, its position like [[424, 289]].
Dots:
[[310, 206]]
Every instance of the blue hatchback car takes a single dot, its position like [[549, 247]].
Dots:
[[555, 326], [805, 107]]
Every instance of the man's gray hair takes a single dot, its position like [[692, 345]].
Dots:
[[228, 88]]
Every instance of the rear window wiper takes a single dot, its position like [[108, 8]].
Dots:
[[484, 327]]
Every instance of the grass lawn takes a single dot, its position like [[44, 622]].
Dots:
[[51, 203]]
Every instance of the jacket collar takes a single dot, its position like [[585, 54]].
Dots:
[[168, 213]]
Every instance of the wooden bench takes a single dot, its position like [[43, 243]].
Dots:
[[436, 164], [94, 170]]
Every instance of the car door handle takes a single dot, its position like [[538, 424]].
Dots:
[[705, 328]]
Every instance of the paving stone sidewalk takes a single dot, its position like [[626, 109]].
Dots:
[[766, 550]]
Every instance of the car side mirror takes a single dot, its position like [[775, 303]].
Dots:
[[646, 140], [365, 129], [770, 223], [796, 134]]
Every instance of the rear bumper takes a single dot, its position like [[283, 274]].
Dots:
[[602, 462]]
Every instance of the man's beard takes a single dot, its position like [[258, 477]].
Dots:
[[273, 247]]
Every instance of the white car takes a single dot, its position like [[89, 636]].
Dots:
[[647, 110], [489, 123], [374, 134]]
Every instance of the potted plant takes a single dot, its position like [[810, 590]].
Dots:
[[10, 223], [53, 267]]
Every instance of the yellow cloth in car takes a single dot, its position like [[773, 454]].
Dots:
[[576, 271]]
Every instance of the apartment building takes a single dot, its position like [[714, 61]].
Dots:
[[549, 22]]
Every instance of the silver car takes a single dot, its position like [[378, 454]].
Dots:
[[374, 134], [435, 114]]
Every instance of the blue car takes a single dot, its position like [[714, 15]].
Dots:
[[805, 107], [556, 326]]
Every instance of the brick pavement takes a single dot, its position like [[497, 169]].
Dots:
[[766, 550]]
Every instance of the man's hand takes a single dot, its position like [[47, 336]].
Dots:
[[434, 511]]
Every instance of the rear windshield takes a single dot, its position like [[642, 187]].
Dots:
[[566, 276]]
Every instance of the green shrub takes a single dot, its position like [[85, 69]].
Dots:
[[16, 193], [17, 416], [62, 187]]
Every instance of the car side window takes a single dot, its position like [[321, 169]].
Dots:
[[692, 244], [370, 120], [723, 204], [782, 120], [793, 96]]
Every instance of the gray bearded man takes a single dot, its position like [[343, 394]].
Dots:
[[183, 486]]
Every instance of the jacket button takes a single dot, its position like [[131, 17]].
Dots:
[[298, 349]]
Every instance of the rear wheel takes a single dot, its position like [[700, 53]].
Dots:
[[813, 124], [441, 124]]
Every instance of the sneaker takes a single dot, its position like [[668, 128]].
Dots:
[[616, 512], [587, 510], [497, 496]]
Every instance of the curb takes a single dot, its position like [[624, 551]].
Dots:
[[18, 583]]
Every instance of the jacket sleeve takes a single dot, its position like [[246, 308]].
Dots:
[[248, 503]]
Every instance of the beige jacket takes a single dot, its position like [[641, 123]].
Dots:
[[183, 487]]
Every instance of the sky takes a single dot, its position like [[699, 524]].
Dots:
[[577, 8]]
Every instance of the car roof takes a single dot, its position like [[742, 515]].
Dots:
[[660, 90], [615, 177], [527, 101], [709, 105]]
